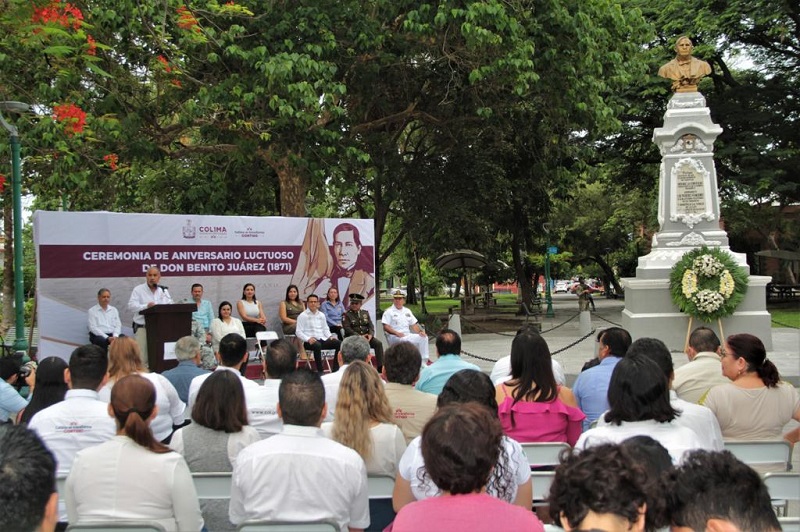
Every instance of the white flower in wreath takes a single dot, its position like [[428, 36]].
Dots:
[[708, 301], [707, 266], [689, 283], [726, 284]]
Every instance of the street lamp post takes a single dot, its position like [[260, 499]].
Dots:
[[20, 342], [548, 296]]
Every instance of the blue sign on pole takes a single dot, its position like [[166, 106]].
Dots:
[[552, 250]]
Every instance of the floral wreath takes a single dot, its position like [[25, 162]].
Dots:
[[707, 284]]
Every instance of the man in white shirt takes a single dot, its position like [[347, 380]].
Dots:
[[280, 360], [353, 348], [144, 296], [232, 355], [104, 324], [28, 498], [313, 330], [704, 370], [400, 325], [81, 420], [269, 474]]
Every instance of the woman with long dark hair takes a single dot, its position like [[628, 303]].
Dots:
[[461, 447], [50, 387], [511, 477], [290, 308], [218, 431], [133, 476], [638, 395], [532, 407], [756, 404], [251, 312]]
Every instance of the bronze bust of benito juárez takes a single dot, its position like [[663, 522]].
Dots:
[[685, 71]]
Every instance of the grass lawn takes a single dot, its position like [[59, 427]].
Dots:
[[786, 317], [441, 304]]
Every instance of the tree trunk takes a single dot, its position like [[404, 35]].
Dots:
[[421, 284], [609, 274], [292, 184], [523, 280], [8, 267]]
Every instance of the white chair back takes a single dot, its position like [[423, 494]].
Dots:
[[212, 485], [543, 454], [117, 526], [762, 452], [266, 526], [380, 486], [541, 484]]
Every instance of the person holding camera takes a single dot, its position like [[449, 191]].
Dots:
[[13, 377]]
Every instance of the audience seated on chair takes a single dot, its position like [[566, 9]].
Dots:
[[448, 351], [411, 407], [716, 492], [603, 488], [280, 359], [461, 447], [510, 479], [531, 406], [365, 423], [353, 348], [50, 388], [299, 475], [217, 434], [187, 351], [124, 358], [756, 404], [132, 476], [232, 354], [501, 371], [28, 497], [639, 400], [693, 380], [591, 386], [696, 417]]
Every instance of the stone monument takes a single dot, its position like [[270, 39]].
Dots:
[[688, 217]]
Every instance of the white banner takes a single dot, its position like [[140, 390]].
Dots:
[[77, 253]]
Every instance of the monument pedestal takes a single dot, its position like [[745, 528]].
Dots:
[[688, 217]]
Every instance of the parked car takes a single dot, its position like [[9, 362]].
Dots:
[[562, 287]]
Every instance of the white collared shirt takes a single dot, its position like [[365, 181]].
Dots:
[[399, 319], [81, 420], [142, 296], [262, 409], [312, 325], [269, 475], [104, 322], [331, 381], [250, 387]]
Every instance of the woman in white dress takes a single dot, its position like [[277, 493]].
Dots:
[[124, 359], [132, 476], [224, 324], [251, 311]]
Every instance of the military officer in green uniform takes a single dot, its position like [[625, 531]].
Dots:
[[357, 322]]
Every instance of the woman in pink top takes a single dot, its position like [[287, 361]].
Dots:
[[532, 407], [460, 445]]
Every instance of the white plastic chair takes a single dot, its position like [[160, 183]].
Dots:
[[783, 487], [215, 485], [380, 486], [117, 526], [543, 454], [757, 453], [264, 337], [267, 526]]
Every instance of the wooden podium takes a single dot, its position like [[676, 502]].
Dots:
[[166, 323]]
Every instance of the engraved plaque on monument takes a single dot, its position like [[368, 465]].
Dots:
[[691, 192]]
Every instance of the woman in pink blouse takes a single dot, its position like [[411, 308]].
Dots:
[[531, 406]]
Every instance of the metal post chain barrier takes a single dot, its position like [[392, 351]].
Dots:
[[514, 334], [776, 322], [573, 344], [608, 321]]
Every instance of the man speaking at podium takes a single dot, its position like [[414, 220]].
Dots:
[[143, 297]]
